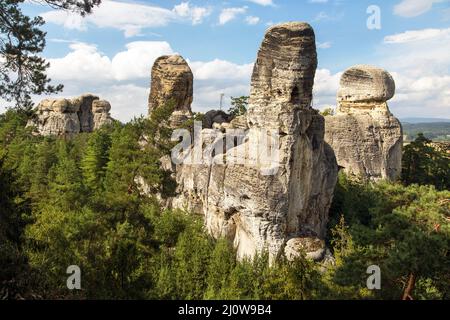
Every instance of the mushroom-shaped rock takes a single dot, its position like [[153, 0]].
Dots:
[[367, 139], [364, 83]]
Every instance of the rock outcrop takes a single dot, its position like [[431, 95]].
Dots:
[[262, 205], [67, 117], [366, 138], [215, 116], [172, 82]]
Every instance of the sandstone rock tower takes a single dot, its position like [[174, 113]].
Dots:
[[286, 210], [71, 116], [367, 139], [172, 81]]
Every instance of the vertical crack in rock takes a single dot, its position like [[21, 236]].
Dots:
[[367, 139], [290, 206]]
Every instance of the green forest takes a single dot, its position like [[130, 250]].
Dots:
[[436, 131], [74, 201]]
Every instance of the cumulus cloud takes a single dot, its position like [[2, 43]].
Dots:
[[419, 62], [326, 85], [130, 18], [124, 78], [220, 69], [85, 63], [229, 14], [414, 8], [212, 78], [136, 61]]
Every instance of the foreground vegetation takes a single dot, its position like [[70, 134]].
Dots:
[[75, 201]]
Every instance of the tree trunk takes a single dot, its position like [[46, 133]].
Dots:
[[409, 287]]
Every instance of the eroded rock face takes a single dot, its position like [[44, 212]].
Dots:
[[258, 206], [71, 116], [172, 81], [366, 138]]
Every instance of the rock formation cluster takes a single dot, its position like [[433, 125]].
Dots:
[[366, 138], [172, 82], [67, 117], [261, 206]]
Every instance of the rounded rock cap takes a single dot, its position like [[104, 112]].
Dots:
[[99, 106], [365, 83], [291, 29]]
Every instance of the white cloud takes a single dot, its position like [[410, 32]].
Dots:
[[137, 60], [414, 8], [416, 35], [130, 18], [324, 45], [220, 69], [251, 20], [212, 78], [85, 63], [195, 14], [419, 62], [318, 1], [325, 89], [263, 2], [124, 79], [229, 14]]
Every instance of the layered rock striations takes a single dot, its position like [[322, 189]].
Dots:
[[71, 116], [366, 138], [172, 82], [263, 205]]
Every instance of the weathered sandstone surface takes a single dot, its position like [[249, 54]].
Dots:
[[366, 138], [262, 205], [71, 116], [172, 82]]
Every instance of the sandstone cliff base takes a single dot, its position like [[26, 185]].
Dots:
[[250, 204]]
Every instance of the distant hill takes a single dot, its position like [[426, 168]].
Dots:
[[436, 131], [423, 120]]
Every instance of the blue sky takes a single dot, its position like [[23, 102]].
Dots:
[[110, 52]]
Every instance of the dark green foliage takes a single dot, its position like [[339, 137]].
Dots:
[[78, 202], [328, 112], [95, 160], [436, 131], [238, 106], [22, 69], [423, 164], [404, 230]]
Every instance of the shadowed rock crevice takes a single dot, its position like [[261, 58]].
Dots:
[[255, 210]]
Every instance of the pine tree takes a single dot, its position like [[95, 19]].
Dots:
[[95, 160], [22, 69], [65, 189], [222, 262]]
